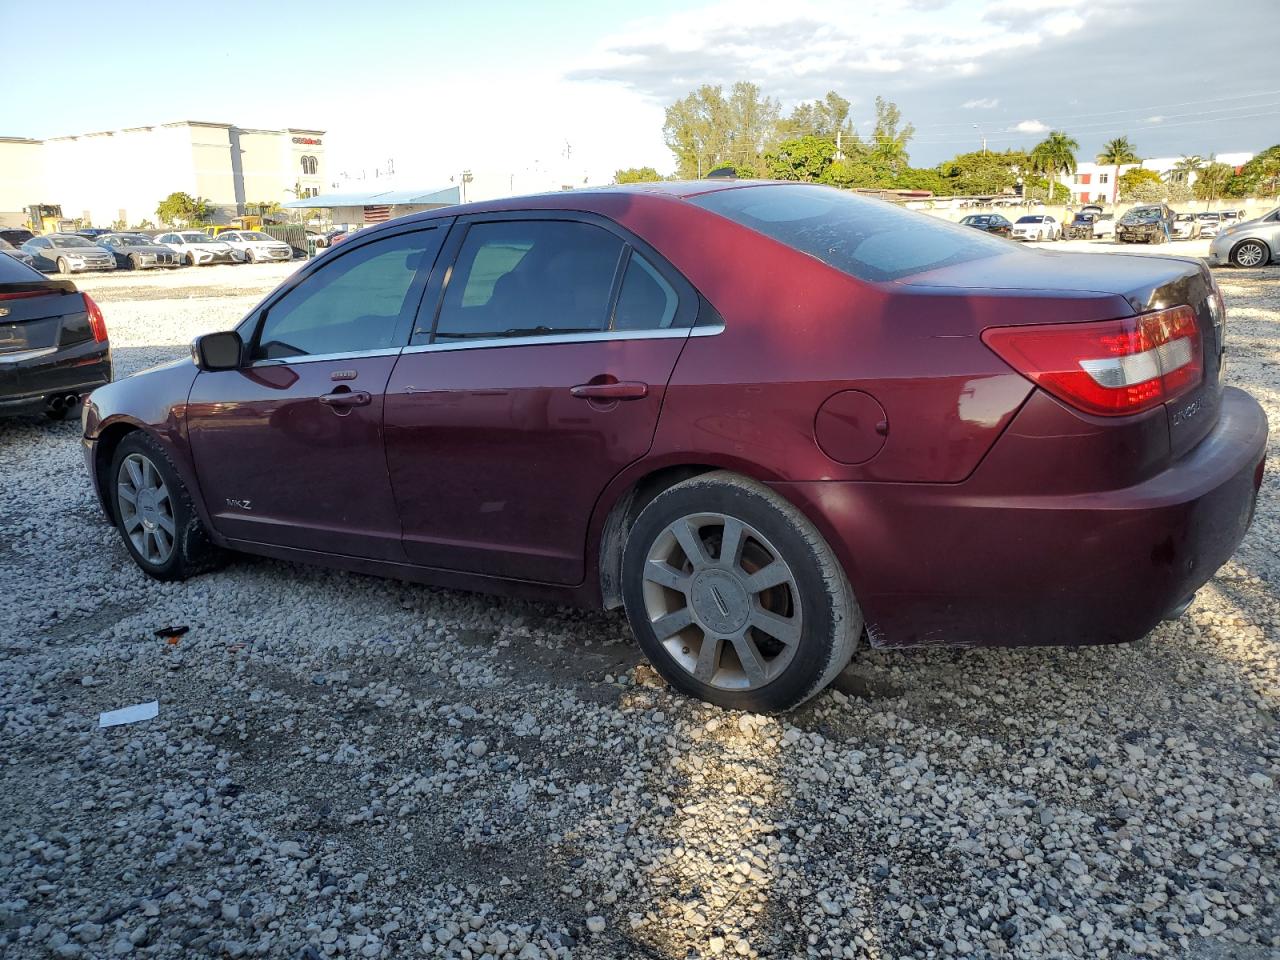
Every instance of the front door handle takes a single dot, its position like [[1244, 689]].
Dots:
[[347, 398], [618, 390]]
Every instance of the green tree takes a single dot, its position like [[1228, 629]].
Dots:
[[1260, 177], [637, 175], [827, 117], [890, 138], [983, 174], [1184, 170], [706, 129], [1053, 155], [1214, 176], [1142, 186], [1117, 152], [805, 158], [182, 209]]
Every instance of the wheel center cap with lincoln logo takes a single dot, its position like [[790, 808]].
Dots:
[[720, 601], [148, 509]]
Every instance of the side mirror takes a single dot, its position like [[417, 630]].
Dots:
[[217, 351]]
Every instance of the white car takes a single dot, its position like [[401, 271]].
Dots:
[[197, 249], [1036, 226], [252, 246]]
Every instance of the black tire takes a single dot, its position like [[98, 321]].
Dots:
[[190, 259], [250, 257], [1243, 249], [831, 623], [192, 551], [135, 263], [62, 267]]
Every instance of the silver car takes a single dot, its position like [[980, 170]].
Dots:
[[1251, 244]]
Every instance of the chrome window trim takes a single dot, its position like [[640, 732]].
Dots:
[[27, 354], [603, 336], [323, 357]]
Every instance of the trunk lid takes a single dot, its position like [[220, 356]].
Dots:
[[1145, 283], [32, 314]]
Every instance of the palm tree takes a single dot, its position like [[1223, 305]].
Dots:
[[1213, 177], [1053, 155], [1184, 169], [1118, 152]]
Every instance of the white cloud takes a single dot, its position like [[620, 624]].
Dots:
[[1156, 119], [985, 103], [1029, 126]]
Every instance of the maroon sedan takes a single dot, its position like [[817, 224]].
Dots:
[[765, 418]]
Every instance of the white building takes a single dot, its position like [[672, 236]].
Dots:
[[1095, 182], [122, 175]]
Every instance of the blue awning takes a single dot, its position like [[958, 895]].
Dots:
[[376, 198]]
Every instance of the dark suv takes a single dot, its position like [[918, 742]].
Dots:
[[1149, 223]]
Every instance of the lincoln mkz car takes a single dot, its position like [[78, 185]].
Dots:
[[53, 343], [766, 419]]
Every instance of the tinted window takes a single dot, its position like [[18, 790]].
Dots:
[[868, 239], [352, 303], [13, 270], [525, 277], [647, 301]]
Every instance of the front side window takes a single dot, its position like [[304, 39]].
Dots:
[[529, 277], [351, 304], [869, 239]]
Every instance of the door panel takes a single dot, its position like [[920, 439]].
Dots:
[[289, 449], [496, 465], [277, 465]]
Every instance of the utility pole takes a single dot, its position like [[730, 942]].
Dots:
[[839, 153], [984, 138]]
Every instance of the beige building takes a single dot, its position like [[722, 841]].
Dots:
[[122, 175]]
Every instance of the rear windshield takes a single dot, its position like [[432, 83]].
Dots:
[[13, 270], [868, 239]]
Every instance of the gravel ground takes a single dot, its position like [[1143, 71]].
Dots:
[[356, 767]]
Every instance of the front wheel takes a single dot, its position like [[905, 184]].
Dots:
[[154, 513], [250, 257], [62, 266], [1251, 253], [190, 260], [135, 262], [735, 597]]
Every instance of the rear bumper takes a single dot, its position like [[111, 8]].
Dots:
[[27, 387], [939, 564]]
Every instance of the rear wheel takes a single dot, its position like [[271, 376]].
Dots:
[[1251, 253], [154, 513], [735, 597]]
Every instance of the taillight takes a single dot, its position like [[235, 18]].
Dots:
[[97, 323], [1111, 368]]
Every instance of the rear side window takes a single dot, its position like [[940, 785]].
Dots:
[[868, 239], [521, 278], [351, 304], [647, 301]]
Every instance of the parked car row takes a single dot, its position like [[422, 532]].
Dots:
[[75, 252]]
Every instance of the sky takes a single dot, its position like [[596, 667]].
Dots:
[[555, 85]]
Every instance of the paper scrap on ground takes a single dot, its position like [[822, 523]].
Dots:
[[139, 711]]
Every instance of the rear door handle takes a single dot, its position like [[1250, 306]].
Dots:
[[357, 398], [621, 390]]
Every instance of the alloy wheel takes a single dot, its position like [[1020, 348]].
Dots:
[[1249, 254], [722, 601], [146, 509]]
